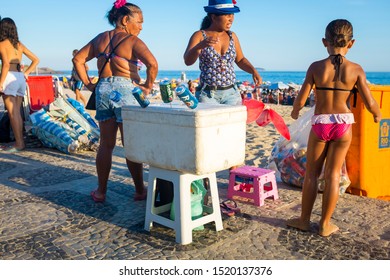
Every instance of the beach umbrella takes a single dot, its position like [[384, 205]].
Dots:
[[294, 85], [278, 85]]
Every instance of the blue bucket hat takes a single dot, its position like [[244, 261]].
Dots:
[[221, 7]]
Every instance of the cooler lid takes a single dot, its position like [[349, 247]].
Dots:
[[177, 113]]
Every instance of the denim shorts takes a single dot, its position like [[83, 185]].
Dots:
[[77, 85], [105, 109], [229, 96]]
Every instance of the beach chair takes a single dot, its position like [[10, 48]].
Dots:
[[40, 92]]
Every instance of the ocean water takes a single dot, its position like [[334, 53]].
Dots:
[[297, 77]]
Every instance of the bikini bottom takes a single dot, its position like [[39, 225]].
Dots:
[[330, 127]]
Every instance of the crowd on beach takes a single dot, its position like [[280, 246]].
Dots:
[[217, 49], [285, 96]]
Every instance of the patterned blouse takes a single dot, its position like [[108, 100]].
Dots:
[[216, 69]]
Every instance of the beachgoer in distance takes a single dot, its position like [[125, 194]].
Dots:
[[12, 79], [334, 79], [77, 84], [217, 49], [115, 75], [191, 86]]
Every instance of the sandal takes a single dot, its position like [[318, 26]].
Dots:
[[2, 148], [231, 205], [12, 150], [97, 199], [140, 197], [225, 210]]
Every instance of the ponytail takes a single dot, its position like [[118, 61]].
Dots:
[[206, 22]]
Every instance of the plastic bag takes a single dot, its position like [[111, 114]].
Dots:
[[198, 192], [290, 156], [264, 118], [5, 128], [263, 115], [344, 179]]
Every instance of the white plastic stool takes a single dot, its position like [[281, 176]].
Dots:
[[183, 223]]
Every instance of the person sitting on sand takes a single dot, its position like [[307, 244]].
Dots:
[[335, 79], [12, 79]]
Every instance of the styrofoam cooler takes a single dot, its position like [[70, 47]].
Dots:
[[171, 136]]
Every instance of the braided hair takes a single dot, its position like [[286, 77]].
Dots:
[[339, 32]]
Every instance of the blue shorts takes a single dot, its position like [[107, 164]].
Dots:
[[228, 96], [77, 85], [105, 110]]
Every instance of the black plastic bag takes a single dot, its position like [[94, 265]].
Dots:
[[91, 104], [5, 128]]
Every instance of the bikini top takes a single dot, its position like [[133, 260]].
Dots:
[[109, 55], [338, 60], [15, 65], [341, 89]]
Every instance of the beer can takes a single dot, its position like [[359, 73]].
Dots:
[[166, 91], [140, 97], [116, 99], [186, 96]]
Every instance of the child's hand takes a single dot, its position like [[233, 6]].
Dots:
[[377, 118], [294, 114]]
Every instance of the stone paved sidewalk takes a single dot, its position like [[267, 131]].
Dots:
[[46, 212]]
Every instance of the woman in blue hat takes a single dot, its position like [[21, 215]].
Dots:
[[218, 49]]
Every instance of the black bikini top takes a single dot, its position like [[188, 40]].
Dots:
[[341, 89], [338, 60], [15, 65]]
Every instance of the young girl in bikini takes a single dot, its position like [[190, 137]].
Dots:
[[334, 79]]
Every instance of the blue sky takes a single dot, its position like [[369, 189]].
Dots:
[[276, 35]]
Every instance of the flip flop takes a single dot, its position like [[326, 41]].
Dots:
[[231, 205], [12, 150], [97, 199], [140, 197], [225, 210]]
